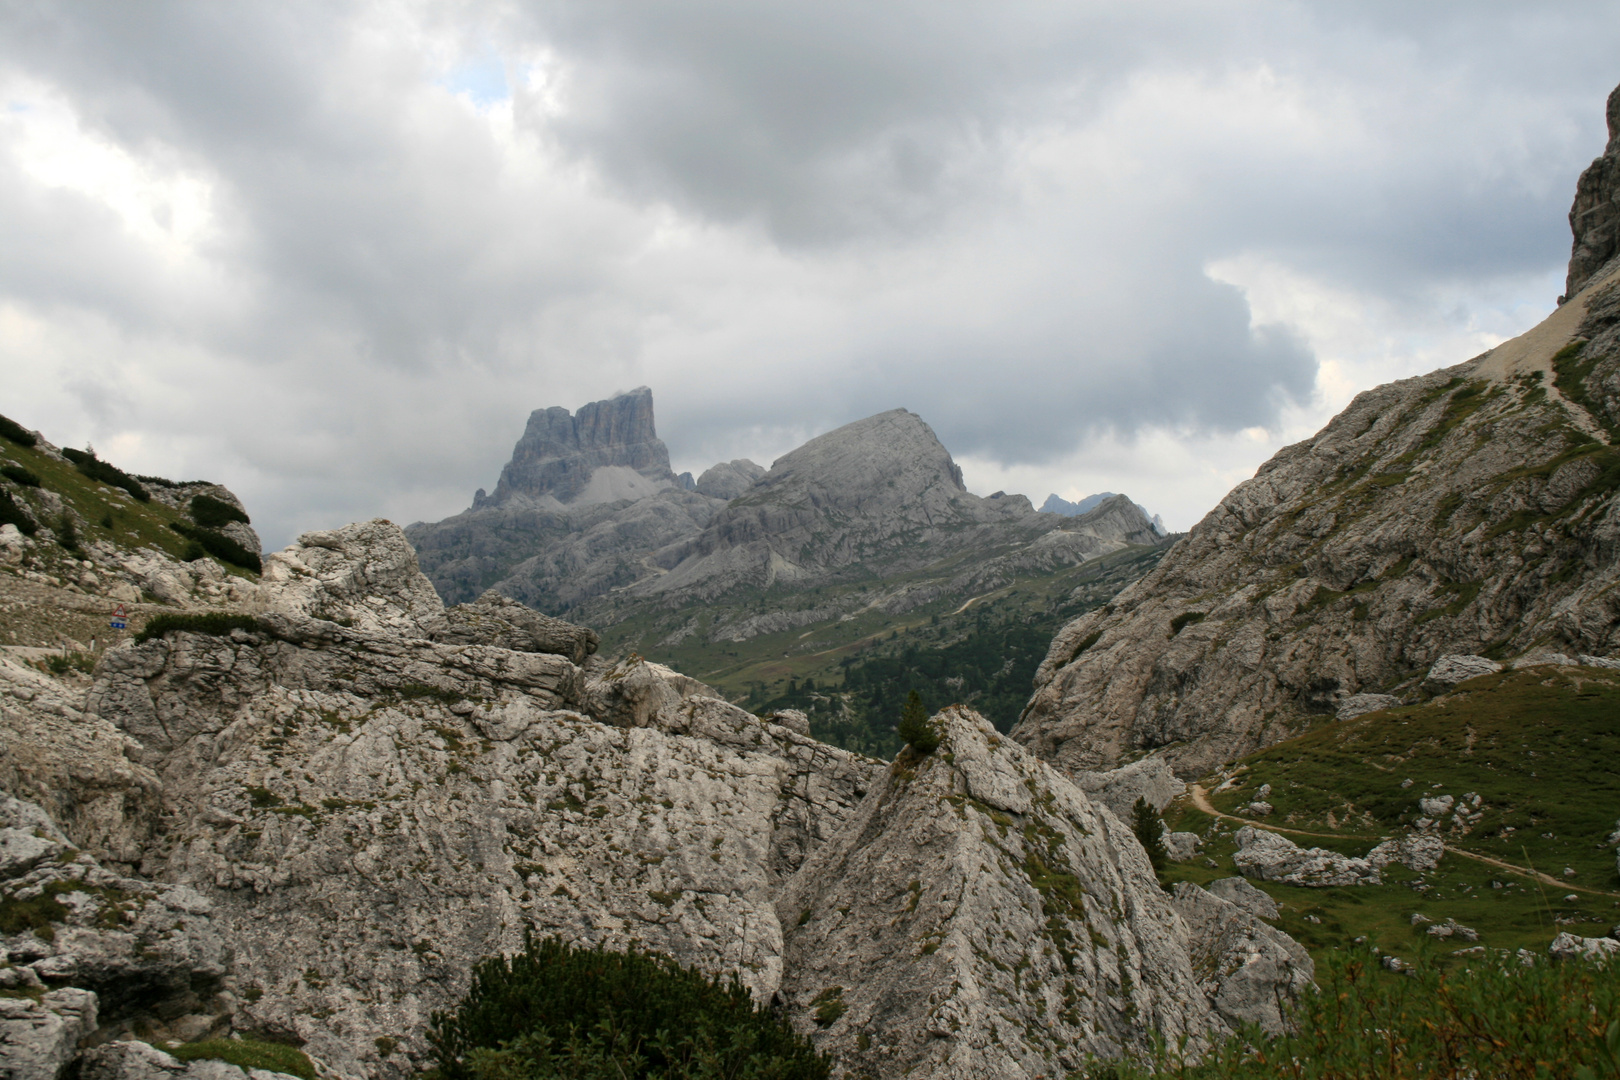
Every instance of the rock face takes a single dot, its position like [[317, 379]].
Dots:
[[729, 479], [1595, 217], [1118, 789], [980, 917], [1467, 510], [358, 804], [609, 451], [1249, 971]]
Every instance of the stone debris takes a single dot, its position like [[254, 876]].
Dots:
[[1361, 704], [1452, 928], [1417, 852], [1272, 857]]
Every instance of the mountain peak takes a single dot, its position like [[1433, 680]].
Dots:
[[608, 450], [1594, 219]]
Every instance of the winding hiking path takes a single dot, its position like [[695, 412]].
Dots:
[[1200, 801]]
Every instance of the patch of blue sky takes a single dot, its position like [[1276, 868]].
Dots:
[[483, 80]]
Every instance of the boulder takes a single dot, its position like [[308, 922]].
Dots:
[[1271, 857], [1181, 846], [1360, 704], [1451, 928], [1418, 852], [1567, 946], [1450, 670], [363, 576]]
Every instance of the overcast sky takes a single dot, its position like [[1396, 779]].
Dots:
[[332, 254]]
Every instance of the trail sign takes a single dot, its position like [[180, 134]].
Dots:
[[120, 618]]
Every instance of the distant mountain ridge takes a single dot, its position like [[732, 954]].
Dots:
[[1055, 504]]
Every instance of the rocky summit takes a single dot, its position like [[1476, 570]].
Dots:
[[306, 822], [1468, 511]]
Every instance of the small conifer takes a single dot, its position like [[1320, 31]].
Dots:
[[1149, 829], [914, 727]]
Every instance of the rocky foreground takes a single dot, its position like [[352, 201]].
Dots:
[[309, 826]]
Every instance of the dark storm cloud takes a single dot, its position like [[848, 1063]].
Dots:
[[781, 217]]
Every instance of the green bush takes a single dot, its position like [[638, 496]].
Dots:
[[212, 513], [214, 623], [219, 546], [12, 514], [18, 434], [249, 1054], [914, 727], [1495, 1018], [19, 475], [96, 469], [557, 1010], [67, 533]]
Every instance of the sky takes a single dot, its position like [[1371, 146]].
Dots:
[[331, 254]]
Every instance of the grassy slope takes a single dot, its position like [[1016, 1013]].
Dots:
[[134, 524], [1539, 746]]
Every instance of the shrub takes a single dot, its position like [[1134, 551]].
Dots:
[[914, 727], [18, 434], [212, 513], [249, 1054], [557, 1010], [12, 514], [67, 533], [96, 469], [19, 475], [1149, 829], [219, 546], [213, 623]]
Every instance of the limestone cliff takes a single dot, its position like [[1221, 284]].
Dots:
[[1471, 510], [341, 802], [609, 451], [1595, 217]]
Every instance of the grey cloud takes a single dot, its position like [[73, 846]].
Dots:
[[390, 302]]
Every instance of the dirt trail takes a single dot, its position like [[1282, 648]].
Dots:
[[1200, 800]]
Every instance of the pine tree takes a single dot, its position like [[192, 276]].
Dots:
[[1149, 829], [914, 727]]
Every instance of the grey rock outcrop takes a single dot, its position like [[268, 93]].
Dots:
[[1416, 852], [1181, 846], [1594, 219], [1118, 789], [1448, 671], [1271, 856], [1236, 890], [363, 575], [1361, 704], [729, 479], [499, 620], [981, 917], [39, 1039], [1249, 971]]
